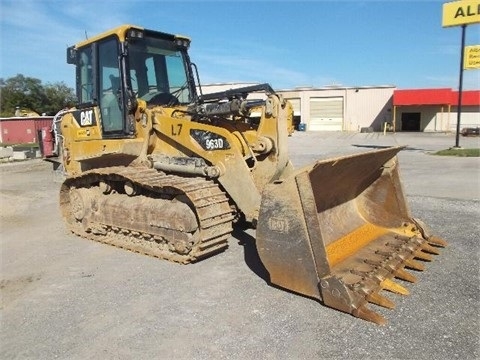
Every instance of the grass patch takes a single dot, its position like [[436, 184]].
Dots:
[[459, 152]]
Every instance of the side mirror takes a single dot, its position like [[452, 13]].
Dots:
[[71, 55]]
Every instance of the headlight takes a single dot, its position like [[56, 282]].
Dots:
[[182, 42], [135, 34]]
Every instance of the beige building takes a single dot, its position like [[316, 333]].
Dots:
[[336, 108]]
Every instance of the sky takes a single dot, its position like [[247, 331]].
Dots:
[[285, 43]]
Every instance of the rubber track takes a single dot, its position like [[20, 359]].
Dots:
[[209, 201]]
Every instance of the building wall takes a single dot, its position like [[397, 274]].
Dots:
[[470, 117], [362, 106], [368, 107], [437, 118], [432, 118]]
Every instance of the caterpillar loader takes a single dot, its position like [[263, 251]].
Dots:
[[155, 166]]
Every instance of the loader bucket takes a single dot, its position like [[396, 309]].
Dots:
[[340, 230]]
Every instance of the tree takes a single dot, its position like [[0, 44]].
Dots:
[[59, 96], [29, 93]]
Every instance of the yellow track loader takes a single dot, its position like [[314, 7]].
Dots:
[[155, 166]]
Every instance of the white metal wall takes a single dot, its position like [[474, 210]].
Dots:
[[470, 117], [361, 107], [368, 107]]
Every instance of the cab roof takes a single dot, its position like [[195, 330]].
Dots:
[[121, 32]]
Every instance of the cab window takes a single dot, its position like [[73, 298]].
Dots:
[[85, 75], [110, 86]]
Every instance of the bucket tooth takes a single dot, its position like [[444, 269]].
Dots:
[[435, 240], [404, 275], [366, 314], [429, 249], [412, 264], [392, 286], [377, 299], [423, 256]]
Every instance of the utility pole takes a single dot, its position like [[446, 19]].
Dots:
[[460, 87]]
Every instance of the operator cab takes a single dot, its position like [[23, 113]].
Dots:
[[116, 68]]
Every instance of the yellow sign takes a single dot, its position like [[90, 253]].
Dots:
[[472, 57], [462, 12]]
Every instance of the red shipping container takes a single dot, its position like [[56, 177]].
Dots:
[[22, 130]]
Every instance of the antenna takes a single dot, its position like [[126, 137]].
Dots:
[[86, 35]]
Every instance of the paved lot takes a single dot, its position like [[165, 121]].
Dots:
[[69, 298]]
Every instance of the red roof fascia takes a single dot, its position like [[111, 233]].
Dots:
[[469, 97], [423, 97]]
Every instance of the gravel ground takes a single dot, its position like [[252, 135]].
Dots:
[[69, 298]]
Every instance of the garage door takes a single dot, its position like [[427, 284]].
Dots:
[[326, 114]]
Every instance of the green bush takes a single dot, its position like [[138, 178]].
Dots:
[[459, 152]]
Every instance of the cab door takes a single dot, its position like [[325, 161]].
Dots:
[[99, 86], [110, 89]]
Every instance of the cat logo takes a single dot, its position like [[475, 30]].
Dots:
[[85, 117]]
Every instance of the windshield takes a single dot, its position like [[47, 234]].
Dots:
[[158, 72]]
